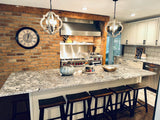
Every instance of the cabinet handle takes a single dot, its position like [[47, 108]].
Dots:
[[126, 42], [144, 42], [156, 42]]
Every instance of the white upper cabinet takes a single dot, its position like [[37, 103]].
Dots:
[[158, 41], [144, 32], [152, 32], [129, 34], [141, 33], [124, 34]]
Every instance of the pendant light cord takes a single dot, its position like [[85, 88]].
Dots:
[[50, 5], [114, 9]]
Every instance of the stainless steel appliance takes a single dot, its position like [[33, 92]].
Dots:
[[73, 61], [80, 27], [92, 59], [151, 81], [95, 59]]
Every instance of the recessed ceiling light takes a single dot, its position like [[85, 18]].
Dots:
[[133, 14], [84, 8]]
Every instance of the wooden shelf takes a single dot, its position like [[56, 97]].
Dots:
[[76, 43]]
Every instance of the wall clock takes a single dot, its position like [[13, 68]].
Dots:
[[27, 37]]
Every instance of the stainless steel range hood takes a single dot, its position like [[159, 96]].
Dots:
[[78, 27]]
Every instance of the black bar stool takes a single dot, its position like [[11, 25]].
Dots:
[[72, 98], [16, 113], [123, 91], [52, 102], [136, 88], [99, 94]]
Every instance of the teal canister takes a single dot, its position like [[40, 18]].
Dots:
[[67, 70]]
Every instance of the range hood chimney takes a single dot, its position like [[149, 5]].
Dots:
[[79, 27]]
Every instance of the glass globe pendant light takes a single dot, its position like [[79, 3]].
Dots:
[[114, 27], [51, 23]]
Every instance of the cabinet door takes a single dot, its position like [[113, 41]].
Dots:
[[132, 34], [141, 32], [158, 32], [152, 32], [129, 34], [124, 34]]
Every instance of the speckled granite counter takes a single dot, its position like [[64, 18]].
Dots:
[[33, 81], [148, 60]]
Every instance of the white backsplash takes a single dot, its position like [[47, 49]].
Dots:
[[151, 52], [73, 51]]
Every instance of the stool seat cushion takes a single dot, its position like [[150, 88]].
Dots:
[[137, 86], [56, 101], [120, 89], [100, 93], [78, 97]]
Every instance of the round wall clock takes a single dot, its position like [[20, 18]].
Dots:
[[27, 37]]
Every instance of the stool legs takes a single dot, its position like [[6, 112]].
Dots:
[[129, 101], [84, 109], [41, 115], [96, 102], [63, 116], [86, 114], [14, 112], [109, 103], [122, 103], [145, 95], [71, 111], [135, 97], [89, 107], [115, 111]]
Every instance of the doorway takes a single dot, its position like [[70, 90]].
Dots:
[[113, 48]]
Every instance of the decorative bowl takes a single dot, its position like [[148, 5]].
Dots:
[[109, 68]]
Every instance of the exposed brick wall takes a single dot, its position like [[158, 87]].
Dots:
[[46, 55]]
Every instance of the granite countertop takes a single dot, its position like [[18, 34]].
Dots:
[[147, 60], [33, 81]]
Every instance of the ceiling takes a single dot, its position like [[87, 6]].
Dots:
[[141, 8]]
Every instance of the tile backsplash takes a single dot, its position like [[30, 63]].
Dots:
[[151, 51]]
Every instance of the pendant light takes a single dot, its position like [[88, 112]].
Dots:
[[114, 27], [51, 23]]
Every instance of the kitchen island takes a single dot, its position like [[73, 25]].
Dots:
[[50, 83]]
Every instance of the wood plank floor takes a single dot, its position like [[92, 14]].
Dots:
[[140, 114]]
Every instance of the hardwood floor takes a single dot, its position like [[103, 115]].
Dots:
[[140, 114]]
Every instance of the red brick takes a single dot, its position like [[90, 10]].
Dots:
[[19, 54], [20, 60], [11, 54]]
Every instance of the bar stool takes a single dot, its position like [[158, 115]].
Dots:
[[52, 102], [102, 93], [123, 91], [136, 88], [72, 98], [16, 113]]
